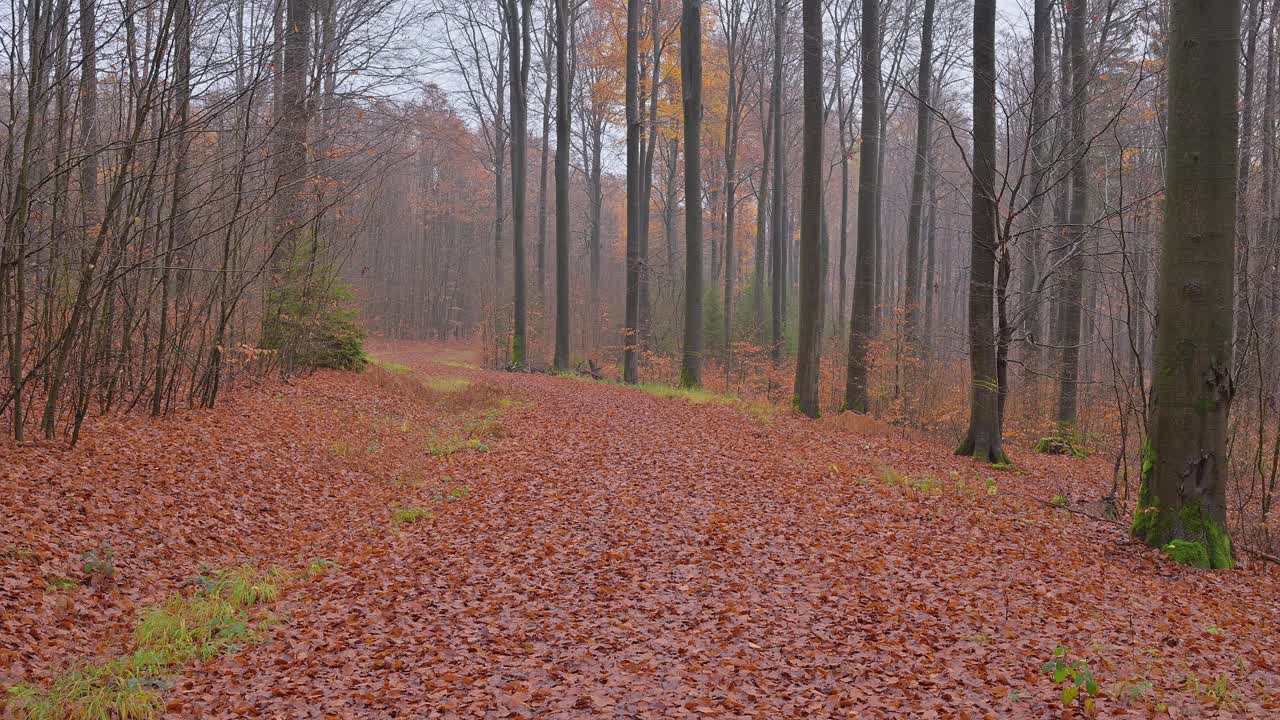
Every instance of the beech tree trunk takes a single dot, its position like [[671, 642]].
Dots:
[[519, 20], [1070, 308], [915, 223], [864, 265], [1182, 502], [563, 142], [810, 330], [777, 283], [630, 340], [691, 87], [983, 441], [1040, 88]]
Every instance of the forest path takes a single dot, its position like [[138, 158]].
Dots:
[[622, 555], [607, 553]]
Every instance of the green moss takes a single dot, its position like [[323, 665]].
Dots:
[[1148, 459], [1187, 553], [687, 380], [1204, 406], [517, 352], [1185, 533], [798, 407]]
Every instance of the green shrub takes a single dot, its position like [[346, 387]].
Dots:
[[308, 316]]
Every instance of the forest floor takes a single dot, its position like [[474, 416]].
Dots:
[[451, 542]]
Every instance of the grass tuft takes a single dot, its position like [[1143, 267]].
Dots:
[[408, 515], [209, 622]]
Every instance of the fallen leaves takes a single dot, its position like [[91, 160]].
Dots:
[[617, 554]]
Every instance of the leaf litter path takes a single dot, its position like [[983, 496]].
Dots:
[[621, 555]]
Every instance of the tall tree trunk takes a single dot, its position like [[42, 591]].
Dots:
[[810, 330], [630, 341], [542, 168], [1244, 307], [777, 272], [1183, 495], [1070, 308], [915, 223], [644, 313], [595, 191], [519, 21], [856, 397], [691, 86], [563, 142], [669, 206], [762, 214], [983, 441], [1062, 199], [931, 264], [1040, 88], [732, 120], [842, 293]]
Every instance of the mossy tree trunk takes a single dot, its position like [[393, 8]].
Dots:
[[1182, 504]]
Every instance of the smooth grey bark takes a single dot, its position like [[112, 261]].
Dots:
[[983, 441], [810, 327], [920, 168], [732, 124], [519, 22], [644, 312], [864, 266], [777, 284], [762, 218], [563, 142], [630, 340], [691, 90], [1040, 88], [1070, 308], [1183, 495], [542, 164]]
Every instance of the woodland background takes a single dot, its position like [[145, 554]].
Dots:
[[197, 193]]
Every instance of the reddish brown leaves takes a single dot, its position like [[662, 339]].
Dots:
[[618, 555]]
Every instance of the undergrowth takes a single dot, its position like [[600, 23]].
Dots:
[[211, 620], [759, 411]]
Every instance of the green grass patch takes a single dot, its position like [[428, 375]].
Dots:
[[408, 515], [924, 484], [199, 625], [759, 411], [443, 447], [446, 383], [55, 583], [19, 553], [320, 566], [389, 366]]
